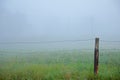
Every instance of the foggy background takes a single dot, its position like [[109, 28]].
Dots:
[[51, 20]]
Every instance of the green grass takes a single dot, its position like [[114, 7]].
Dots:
[[58, 65]]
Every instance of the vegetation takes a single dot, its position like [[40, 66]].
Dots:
[[58, 65]]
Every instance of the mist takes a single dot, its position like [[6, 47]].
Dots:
[[51, 20]]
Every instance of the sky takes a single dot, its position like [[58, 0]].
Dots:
[[42, 20]]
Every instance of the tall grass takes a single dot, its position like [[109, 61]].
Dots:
[[58, 65]]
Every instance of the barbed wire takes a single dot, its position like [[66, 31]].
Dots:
[[109, 41], [110, 49], [58, 41], [78, 40]]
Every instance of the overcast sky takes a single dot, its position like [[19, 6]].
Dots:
[[27, 20]]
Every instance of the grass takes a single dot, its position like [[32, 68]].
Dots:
[[58, 65]]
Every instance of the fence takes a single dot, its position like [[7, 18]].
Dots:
[[107, 48]]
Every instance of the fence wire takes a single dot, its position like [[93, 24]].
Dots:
[[58, 41]]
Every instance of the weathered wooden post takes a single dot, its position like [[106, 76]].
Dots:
[[96, 56]]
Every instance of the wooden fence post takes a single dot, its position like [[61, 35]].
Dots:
[[96, 56]]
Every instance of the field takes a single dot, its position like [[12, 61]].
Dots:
[[58, 65]]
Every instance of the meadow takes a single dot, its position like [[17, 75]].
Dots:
[[58, 65]]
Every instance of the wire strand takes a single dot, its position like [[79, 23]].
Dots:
[[109, 41], [59, 41], [46, 41]]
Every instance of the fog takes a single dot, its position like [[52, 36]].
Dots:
[[51, 20]]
